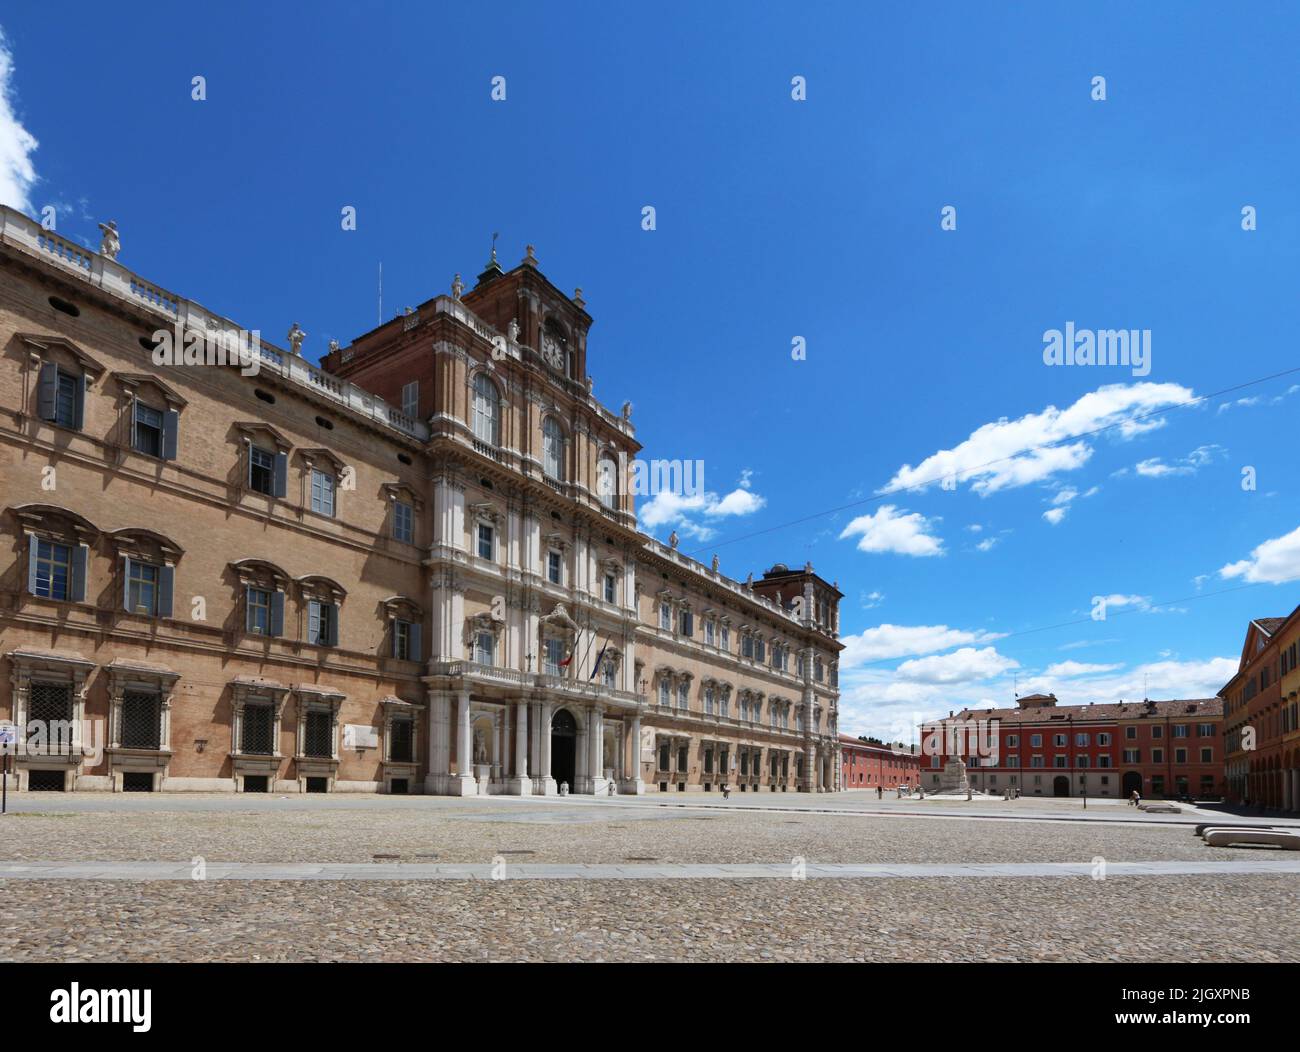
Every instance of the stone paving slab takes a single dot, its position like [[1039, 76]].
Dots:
[[156, 871]]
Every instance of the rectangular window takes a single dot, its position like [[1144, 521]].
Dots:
[[724, 638], [665, 616], [402, 640], [322, 492], [403, 522], [1058, 740], [1035, 761], [1205, 730], [1130, 733], [259, 611], [1035, 741], [747, 645], [1081, 740], [411, 398], [683, 695], [255, 730], [1180, 730], [401, 748], [554, 567], [53, 570], [1103, 738], [1132, 755], [1103, 761], [322, 623], [760, 650], [1157, 732], [665, 691], [554, 655], [708, 632], [1180, 756], [1157, 756], [611, 588], [1013, 741], [318, 734], [1081, 761], [69, 393], [688, 623], [485, 651], [261, 471], [142, 588], [1059, 761], [486, 548], [1013, 760], [1207, 755], [141, 720], [148, 437]]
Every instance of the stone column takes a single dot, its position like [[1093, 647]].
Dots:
[[439, 742], [521, 784], [462, 783], [549, 788], [595, 751], [632, 782]]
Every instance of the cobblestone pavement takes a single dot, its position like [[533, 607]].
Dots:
[[1249, 916]]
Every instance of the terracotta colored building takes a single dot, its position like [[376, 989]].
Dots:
[[871, 764], [1159, 748], [1262, 716], [416, 568]]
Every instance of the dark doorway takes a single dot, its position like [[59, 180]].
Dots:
[[1132, 784], [564, 748], [1060, 785]]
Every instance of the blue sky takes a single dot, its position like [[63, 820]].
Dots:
[[778, 219]]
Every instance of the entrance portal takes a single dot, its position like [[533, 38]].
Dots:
[[564, 748], [1132, 783], [1060, 785]]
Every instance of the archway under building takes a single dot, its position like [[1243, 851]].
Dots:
[[1132, 784], [1060, 785], [564, 748]]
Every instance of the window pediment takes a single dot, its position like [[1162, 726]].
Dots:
[[49, 519], [399, 607], [133, 383], [319, 457], [145, 544], [396, 491], [318, 586], [53, 346], [260, 434], [260, 571]]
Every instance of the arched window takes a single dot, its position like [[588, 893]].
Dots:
[[553, 448], [487, 410], [607, 482]]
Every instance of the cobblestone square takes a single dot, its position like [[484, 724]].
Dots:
[[835, 878]]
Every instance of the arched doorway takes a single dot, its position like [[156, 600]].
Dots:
[[1132, 784], [564, 748], [1060, 785]]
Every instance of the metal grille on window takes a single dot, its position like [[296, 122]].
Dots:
[[51, 707], [256, 734], [319, 735], [141, 720], [401, 748]]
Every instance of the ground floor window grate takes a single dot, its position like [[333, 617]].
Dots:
[[400, 750], [255, 736], [50, 706], [318, 785], [45, 781], [255, 783], [319, 733], [399, 787], [141, 721], [137, 782]]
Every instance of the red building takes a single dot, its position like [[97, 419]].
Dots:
[[1040, 748], [867, 763]]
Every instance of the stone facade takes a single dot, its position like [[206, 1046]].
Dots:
[[416, 568]]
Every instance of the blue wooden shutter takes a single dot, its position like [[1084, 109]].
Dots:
[[126, 584], [79, 413], [80, 555], [281, 474], [415, 654], [166, 583], [171, 424], [277, 613], [313, 621], [33, 546], [47, 391]]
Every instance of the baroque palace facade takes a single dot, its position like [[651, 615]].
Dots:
[[216, 579]]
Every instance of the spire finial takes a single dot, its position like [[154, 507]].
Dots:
[[495, 234]]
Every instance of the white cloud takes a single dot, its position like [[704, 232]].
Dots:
[[1272, 562], [1156, 467], [889, 530], [991, 459], [17, 144], [1055, 515], [961, 666], [894, 641], [1067, 669], [667, 508], [988, 544]]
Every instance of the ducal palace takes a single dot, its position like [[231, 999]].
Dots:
[[414, 569]]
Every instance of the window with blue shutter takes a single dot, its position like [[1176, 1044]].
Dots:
[[60, 396], [50, 570], [322, 492], [148, 431], [322, 624]]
